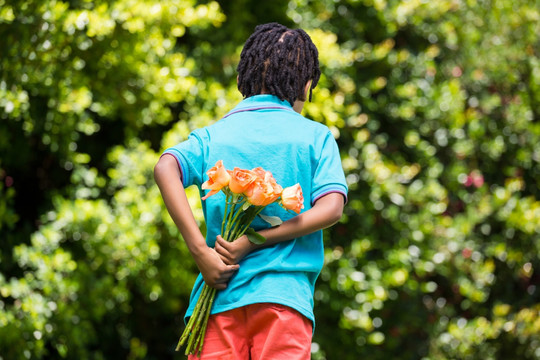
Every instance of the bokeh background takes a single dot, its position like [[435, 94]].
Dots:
[[435, 106]]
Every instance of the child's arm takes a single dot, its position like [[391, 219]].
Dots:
[[324, 213], [167, 175]]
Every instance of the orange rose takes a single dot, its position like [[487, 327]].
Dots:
[[292, 198], [218, 178], [241, 180], [275, 186], [267, 177], [260, 172], [261, 193]]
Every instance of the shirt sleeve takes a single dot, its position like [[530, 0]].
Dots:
[[329, 176], [189, 155]]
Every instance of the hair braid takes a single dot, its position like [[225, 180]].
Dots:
[[278, 61]]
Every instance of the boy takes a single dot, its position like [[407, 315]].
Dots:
[[264, 309]]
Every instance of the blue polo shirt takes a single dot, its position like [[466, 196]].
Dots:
[[264, 131]]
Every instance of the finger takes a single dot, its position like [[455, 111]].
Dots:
[[218, 248], [223, 254], [224, 280], [233, 268], [220, 286], [226, 274], [222, 242], [225, 259], [224, 245]]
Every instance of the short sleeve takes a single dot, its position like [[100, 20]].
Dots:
[[190, 157], [329, 176]]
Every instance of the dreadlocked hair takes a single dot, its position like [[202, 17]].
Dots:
[[279, 61]]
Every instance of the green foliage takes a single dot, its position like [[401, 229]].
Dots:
[[82, 83], [435, 105], [98, 269], [437, 116]]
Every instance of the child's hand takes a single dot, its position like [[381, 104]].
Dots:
[[232, 252], [214, 271]]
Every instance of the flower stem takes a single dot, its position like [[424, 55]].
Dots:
[[202, 333], [206, 305], [237, 210], [196, 327], [250, 216], [236, 221], [191, 321], [229, 217], [227, 200]]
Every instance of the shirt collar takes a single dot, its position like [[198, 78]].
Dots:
[[262, 100]]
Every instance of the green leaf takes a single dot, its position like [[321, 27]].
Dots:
[[255, 237], [272, 220]]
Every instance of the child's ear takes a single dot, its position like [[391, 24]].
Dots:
[[306, 89]]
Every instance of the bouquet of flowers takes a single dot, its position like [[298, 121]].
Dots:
[[247, 193]]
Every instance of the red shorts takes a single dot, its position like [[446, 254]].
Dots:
[[257, 332]]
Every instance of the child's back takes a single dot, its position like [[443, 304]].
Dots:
[[263, 131], [278, 69]]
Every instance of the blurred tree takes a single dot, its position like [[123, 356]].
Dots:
[[88, 270], [435, 106]]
